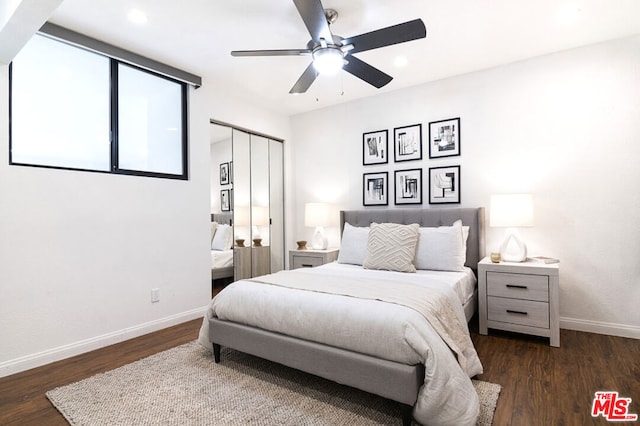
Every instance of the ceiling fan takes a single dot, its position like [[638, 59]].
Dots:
[[331, 52]]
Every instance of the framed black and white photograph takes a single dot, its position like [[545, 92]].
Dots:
[[225, 200], [224, 173], [444, 138], [375, 189], [375, 147], [444, 185], [408, 186], [407, 143]]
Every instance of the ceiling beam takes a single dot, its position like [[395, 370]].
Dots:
[[19, 21]]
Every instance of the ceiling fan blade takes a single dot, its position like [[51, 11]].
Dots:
[[395, 34], [277, 52], [312, 14], [306, 79], [366, 72]]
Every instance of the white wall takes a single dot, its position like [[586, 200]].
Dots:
[[564, 127], [80, 252]]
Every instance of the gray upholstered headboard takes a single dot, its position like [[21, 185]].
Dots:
[[225, 218], [472, 217]]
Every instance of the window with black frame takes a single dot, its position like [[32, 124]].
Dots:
[[72, 108]]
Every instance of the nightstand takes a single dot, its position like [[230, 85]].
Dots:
[[311, 258], [251, 261], [520, 297]]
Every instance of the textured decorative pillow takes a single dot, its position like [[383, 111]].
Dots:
[[391, 246], [354, 244], [222, 238], [442, 248]]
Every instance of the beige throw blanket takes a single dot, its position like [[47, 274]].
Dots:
[[440, 308]]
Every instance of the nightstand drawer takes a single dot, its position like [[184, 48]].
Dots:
[[518, 286], [306, 261], [523, 312]]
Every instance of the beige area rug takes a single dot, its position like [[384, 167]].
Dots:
[[183, 386]]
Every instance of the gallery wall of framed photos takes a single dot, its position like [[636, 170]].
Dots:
[[407, 145]]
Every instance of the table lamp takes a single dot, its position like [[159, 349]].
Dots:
[[512, 211], [318, 215], [259, 218]]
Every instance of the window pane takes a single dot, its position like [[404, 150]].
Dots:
[[60, 106], [149, 122]]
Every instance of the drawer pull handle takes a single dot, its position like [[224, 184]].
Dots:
[[521, 287], [307, 265], [517, 312]]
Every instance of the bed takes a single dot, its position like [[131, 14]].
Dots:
[[282, 323], [222, 246]]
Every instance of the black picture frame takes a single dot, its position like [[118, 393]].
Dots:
[[375, 147], [375, 189], [224, 173], [408, 186], [407, 143], [225, 200], [444, 185], [444, 138]]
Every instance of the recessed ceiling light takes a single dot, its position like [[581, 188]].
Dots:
[[137, 16], [568, 13], [400, 61]]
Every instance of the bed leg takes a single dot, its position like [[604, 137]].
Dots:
[[407, 415], [216, 353]]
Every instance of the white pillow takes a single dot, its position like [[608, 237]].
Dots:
[[222, 238], [442, 248], [214, 226], [354, 244], [465, 235], [392, 247]]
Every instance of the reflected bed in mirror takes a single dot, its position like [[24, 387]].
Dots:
[[221, 248]]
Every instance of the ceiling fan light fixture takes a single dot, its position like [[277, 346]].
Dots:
[[328, 60]]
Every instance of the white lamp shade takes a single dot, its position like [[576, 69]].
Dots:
[[241, 216], [511, 210], [259, 215], [317, 214]]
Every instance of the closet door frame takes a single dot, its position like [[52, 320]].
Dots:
[[256, 261]]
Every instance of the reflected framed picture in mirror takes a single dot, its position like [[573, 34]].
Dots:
[[224, 174], [225, 200]]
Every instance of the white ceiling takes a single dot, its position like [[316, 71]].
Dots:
[[462, 36]]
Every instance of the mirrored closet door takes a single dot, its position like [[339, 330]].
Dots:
[[256, 202]]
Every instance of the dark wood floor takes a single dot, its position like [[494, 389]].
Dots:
[[541, 385]]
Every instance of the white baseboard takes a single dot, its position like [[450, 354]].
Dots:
[[62, 352], [611, 329]]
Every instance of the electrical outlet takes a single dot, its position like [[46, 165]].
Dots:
[[155, 295]]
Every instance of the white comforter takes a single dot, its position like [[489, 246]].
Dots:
[[395, 332], [221, 258]]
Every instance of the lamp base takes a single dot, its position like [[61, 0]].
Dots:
[[513, 249], [319, 240]]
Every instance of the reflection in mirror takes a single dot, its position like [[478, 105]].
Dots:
[[247, 185], [242, 203], [260, 229], [276, 204], [221, 204]]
